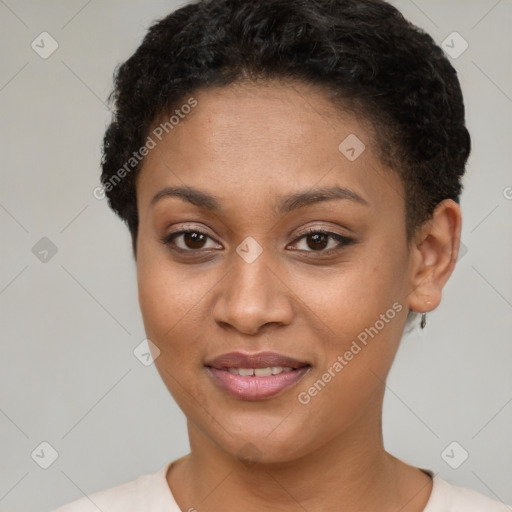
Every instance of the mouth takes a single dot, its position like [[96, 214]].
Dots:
[[256, 376]]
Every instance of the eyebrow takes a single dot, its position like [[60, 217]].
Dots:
[[309, 197], [287, 204]]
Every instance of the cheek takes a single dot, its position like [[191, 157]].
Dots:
[[170, 302], [353, 298], [361, 313], [171, 312]]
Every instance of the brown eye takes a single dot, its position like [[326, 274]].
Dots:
[[324, 242], [194, 240], [189, 241], [317, 241]]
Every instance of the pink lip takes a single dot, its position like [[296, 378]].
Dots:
[[252, 387], [258, 360], [256, 388]]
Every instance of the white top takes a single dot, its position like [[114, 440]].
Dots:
[[151, 493]]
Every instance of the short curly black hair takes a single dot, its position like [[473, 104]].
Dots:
[[364, 52]]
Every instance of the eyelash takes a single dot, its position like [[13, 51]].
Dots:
[[344, 241]]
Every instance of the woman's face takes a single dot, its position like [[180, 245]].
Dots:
[[275, 162]]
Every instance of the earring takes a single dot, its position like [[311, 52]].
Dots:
[[423, 321]]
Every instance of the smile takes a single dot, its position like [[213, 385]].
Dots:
[[256, 376]]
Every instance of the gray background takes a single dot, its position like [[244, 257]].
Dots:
[[68, 375]]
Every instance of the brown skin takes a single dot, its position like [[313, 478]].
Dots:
[[250, 145]]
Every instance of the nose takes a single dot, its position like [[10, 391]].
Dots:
[[252, 296]]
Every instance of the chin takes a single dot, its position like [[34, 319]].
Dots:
[[260, 444]]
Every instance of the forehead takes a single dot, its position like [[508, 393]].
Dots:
[[265, 138]]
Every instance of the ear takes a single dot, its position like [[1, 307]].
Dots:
[[434, 252]]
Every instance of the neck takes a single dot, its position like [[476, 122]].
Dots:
[[352, 469]]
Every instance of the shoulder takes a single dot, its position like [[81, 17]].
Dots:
[[447, 497], [113, 499], [137, 494]]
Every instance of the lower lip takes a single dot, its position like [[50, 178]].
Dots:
[[256, 388]]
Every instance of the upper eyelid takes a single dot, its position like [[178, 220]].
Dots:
[[307, 231], [175, 234]]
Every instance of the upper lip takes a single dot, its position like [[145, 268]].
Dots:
[[258, 360]]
